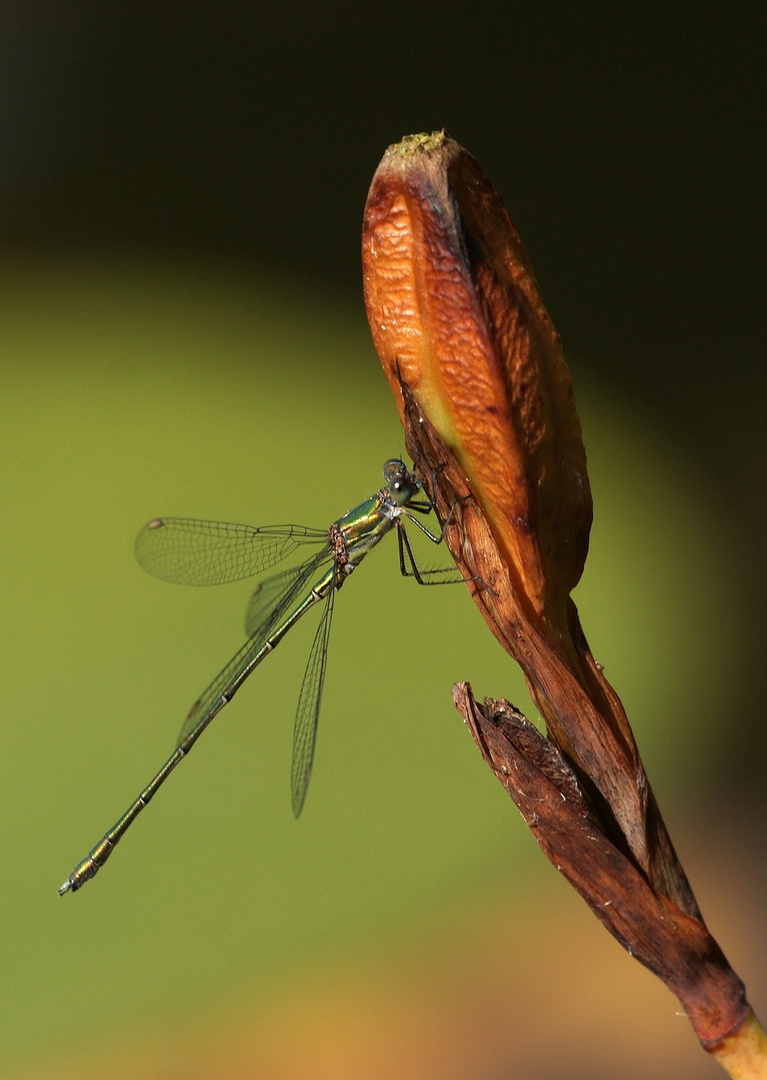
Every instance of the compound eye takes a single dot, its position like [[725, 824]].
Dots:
[[393, 469]]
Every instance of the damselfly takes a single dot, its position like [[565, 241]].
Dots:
[[210, 553]]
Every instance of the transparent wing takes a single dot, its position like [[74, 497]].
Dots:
[[247, 659], [191, 552], [266, 595], [308, 711]]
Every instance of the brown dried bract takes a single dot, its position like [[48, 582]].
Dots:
[[676, 946]]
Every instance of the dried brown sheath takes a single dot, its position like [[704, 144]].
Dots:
[[486, 399]]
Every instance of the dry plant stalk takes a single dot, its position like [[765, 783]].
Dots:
[[487, 401]]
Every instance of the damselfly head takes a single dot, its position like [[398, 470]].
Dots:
[[402, 483]]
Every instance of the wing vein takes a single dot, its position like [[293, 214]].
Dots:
[[191, 552]]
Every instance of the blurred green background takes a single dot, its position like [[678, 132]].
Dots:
[[183, 333]]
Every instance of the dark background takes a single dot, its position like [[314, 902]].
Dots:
[[627, 140]]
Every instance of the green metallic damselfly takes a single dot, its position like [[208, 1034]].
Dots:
[[210, 553]]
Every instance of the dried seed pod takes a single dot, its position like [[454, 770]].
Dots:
[[456, 314], [488, 409]]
